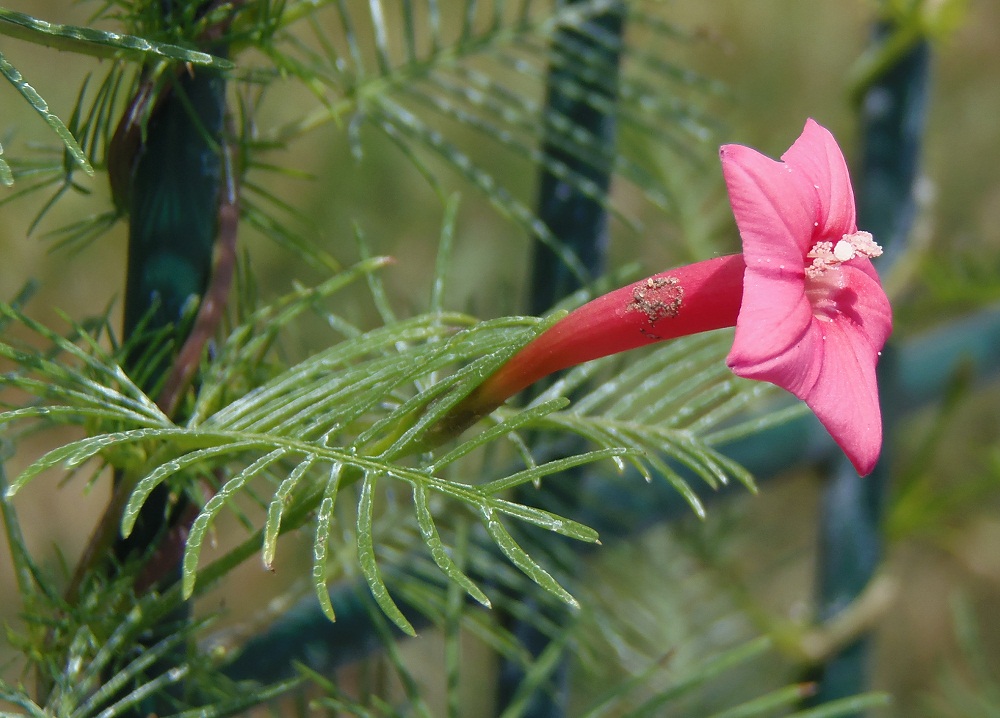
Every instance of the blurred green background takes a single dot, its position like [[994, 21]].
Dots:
[[779, 61]]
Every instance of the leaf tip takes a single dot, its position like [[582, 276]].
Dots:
[[187, 584], [408, 629]]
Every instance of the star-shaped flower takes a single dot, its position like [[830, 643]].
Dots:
[[814, 316], [809, 311]]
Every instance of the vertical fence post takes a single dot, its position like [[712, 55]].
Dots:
[[173, 223], [169, 170], [892, 113]]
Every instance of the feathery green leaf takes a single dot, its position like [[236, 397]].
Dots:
[[99, 43]]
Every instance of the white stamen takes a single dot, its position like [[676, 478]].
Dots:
[[864, 244], [827, 255]]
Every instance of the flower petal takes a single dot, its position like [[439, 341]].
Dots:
[[845, 395], [864, 304], [816, 159], [774, 209], [828, 364], [776, 338]]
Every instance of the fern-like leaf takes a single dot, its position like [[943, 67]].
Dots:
[[350, 416]]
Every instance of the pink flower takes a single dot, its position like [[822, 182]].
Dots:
[[810, 313], [814, 316]]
